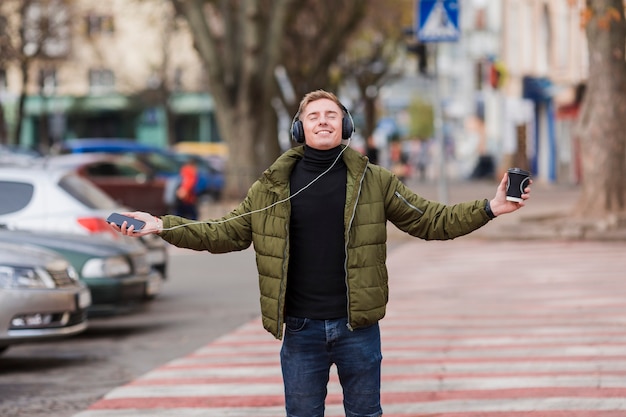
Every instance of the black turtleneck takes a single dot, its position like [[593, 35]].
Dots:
[[316, 285]]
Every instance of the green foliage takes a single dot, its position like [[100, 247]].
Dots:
[[422, 119]]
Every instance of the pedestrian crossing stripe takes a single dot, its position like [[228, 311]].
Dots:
[[439, 23]]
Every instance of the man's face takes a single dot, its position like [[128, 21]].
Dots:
[[322, 121]]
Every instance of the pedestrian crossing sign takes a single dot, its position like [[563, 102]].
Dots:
[[438, 21]]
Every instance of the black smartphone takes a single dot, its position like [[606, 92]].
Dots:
[[118, 219]]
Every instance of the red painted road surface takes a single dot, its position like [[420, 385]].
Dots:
[[474, 328]]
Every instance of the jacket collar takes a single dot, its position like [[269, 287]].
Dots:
[[277, 175]]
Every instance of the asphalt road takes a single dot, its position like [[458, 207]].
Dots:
[[206, 296]]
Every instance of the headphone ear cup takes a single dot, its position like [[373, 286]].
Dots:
[[297, 131], [347, 127]]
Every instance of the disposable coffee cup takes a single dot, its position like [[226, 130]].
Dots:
[[517, 182]]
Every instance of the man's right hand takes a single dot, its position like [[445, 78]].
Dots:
[[154, 225]]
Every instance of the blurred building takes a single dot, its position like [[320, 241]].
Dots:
[[509, 88], [453, 77], [114, 68], [544, 63]]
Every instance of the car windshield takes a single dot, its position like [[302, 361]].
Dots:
[[159, 162], [87, 193]]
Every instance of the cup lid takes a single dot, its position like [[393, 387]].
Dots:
[[518, 171]]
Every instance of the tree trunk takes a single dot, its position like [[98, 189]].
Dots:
[[21, 101], [239, 43], [370, 114], [4, 131], [601, 124], [255, 147]]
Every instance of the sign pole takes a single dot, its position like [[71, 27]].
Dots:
[[442, 183], [438, 21]]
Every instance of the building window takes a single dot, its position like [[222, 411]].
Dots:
[[99, 24], [46, 29], [4, 26], [101, 81]]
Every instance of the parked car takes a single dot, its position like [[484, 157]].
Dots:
[[215, 152], [56, 200], [128, 181], [41, 297], [117, 273], [163, 162], [160, 160], [17, 155]]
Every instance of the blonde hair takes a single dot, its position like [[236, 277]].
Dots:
[[318, 95]]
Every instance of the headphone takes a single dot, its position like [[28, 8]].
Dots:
[[347, 126]]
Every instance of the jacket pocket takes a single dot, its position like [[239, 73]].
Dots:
[[405, 201]]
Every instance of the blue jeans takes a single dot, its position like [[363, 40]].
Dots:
[[309, 349]]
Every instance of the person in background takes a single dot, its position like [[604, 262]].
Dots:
[[186, 196], [372, 150], [422, 159], [317, 218], [399, 159]]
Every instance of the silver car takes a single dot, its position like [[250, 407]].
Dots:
[[48, 199], [117, 273], [40, 296]]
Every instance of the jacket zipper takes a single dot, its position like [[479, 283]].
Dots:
[[280, 303], [401, 197], [345, 262]]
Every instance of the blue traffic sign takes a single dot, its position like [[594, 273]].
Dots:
[[438, 21]]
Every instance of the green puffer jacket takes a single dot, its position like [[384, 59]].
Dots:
[[373, 196]]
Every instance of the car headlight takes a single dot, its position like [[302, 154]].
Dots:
[[24, 277], [72, 273], [106, 267], [62, 272]]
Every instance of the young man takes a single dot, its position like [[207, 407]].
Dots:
[[317, 219]]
